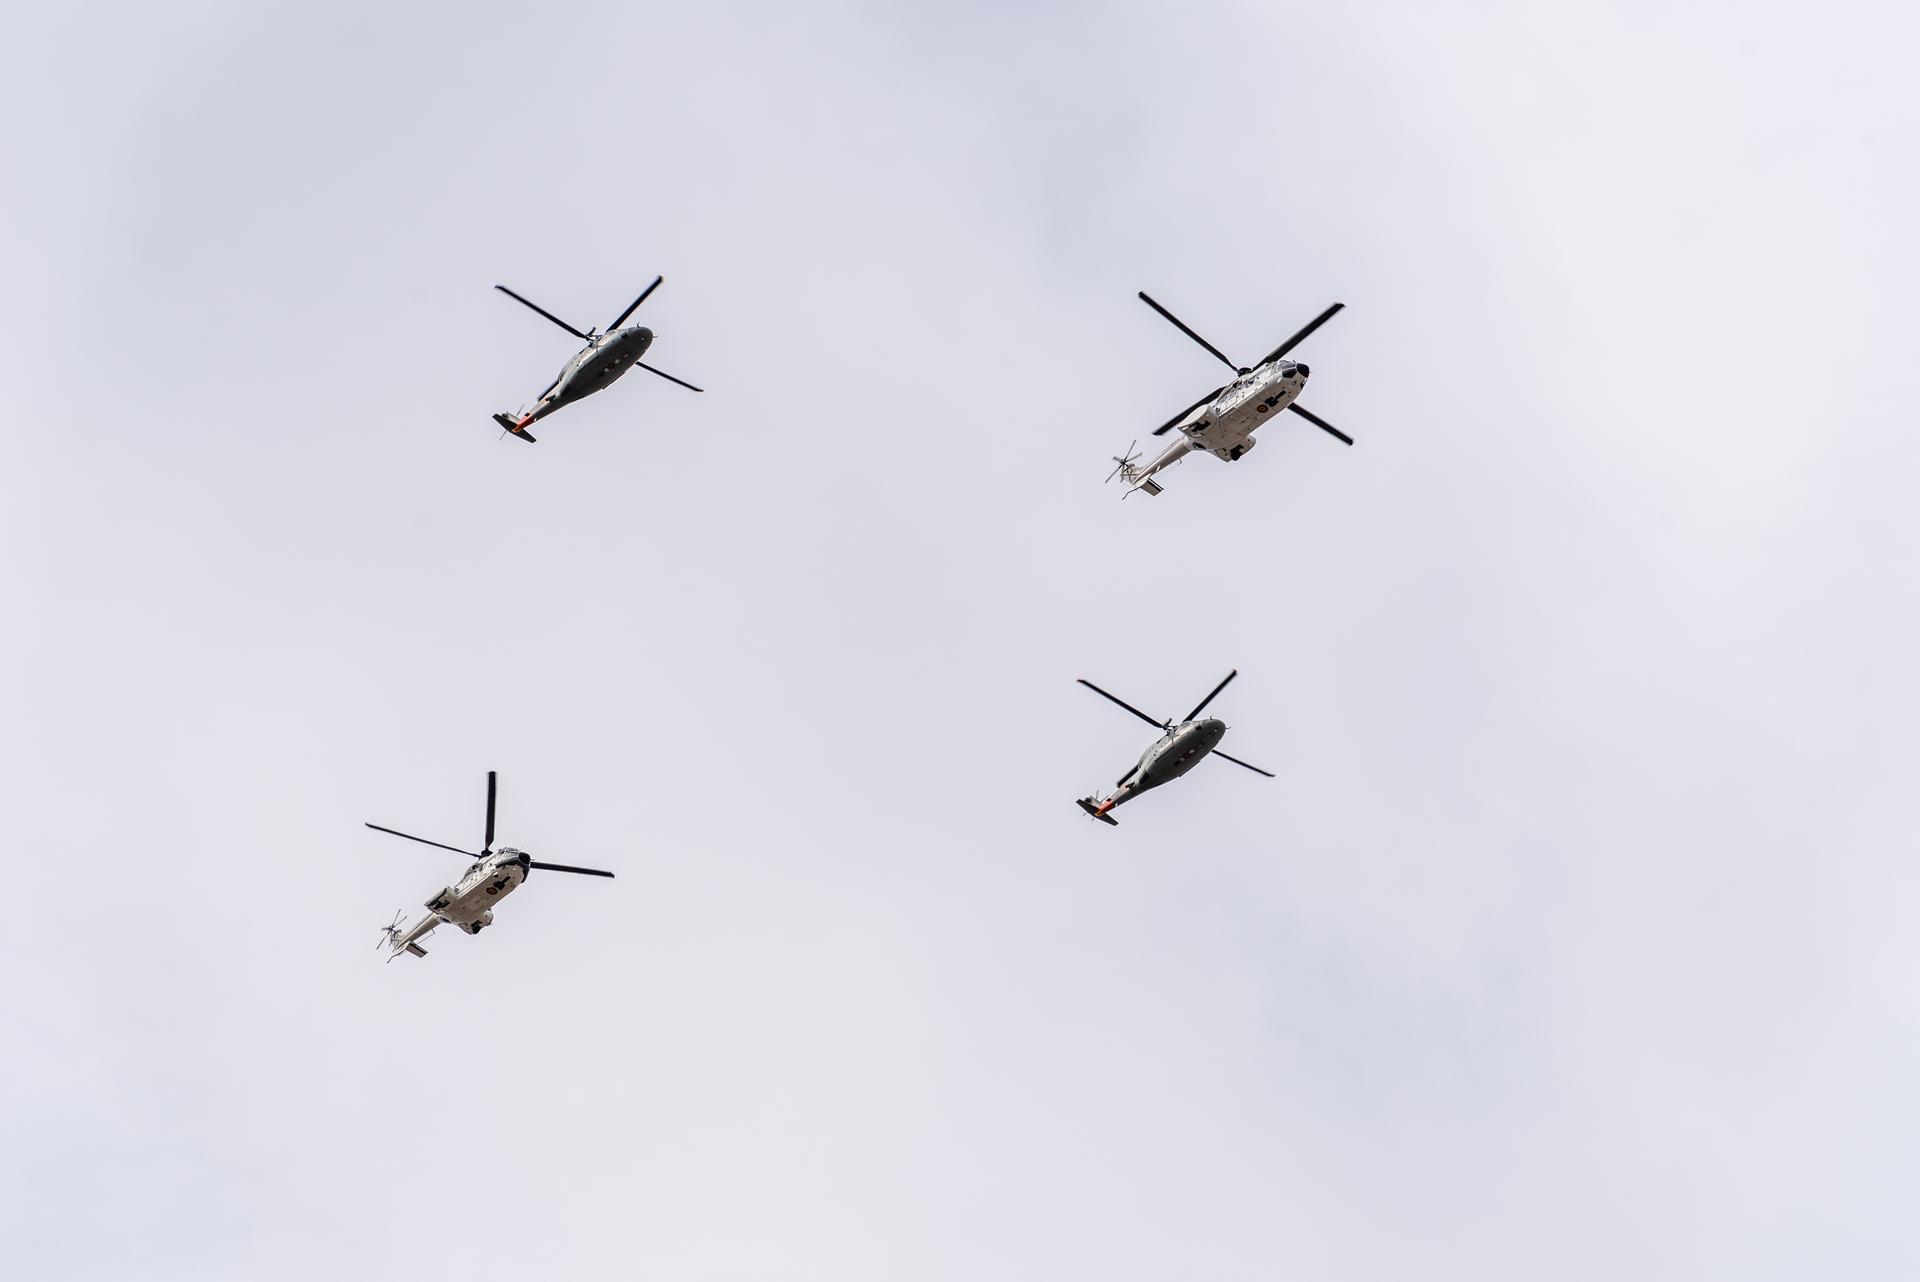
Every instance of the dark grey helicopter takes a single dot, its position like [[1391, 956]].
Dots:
[[1179, 749], [605, 357]]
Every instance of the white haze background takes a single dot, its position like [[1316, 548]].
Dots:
[[1575, 939]]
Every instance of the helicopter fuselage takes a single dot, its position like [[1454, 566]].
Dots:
[[1172, 755], [1224, 427], [593, 367], [468, 903]]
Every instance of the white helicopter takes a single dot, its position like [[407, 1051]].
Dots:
[[1222, 422], [468, 903]]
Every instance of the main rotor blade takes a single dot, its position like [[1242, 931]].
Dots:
[[1182, 327], [1319, 422], [1174, 422], [490, 793], [543, 311], [1236, 761], [423, 841], [1294, 342], [621, 318], [591, 872], [1155, 722], [1209, 699], [670, 378]]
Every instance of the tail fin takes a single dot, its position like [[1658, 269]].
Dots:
[[399, 941], [513, 426], [1126, 471], [1087, 804], [1135, 477]]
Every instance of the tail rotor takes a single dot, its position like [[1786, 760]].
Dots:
[[390, 933], [1124, 466]]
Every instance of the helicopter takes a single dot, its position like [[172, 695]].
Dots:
[[467, 903], [1179, 749], [605, 358], [1222, 422]]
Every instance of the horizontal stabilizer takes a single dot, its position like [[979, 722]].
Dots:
[[416, 950], [509, 424], [1086, 804]]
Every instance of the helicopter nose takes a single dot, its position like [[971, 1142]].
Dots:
[[1301, 370]]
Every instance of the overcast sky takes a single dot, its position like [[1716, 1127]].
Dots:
[[1574, 940]]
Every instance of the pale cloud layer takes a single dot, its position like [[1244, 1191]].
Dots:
[[1573, 941]]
